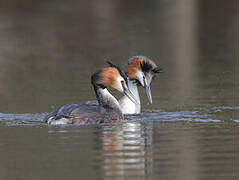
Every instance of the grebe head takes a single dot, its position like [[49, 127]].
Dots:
[[112, 77], [142, 70]]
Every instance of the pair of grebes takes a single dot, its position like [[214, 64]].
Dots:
[[139, 71]]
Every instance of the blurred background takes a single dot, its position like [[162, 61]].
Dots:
[[49, 49]]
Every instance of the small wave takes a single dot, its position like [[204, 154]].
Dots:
[[165, 116], [22, 119], [196, 115]]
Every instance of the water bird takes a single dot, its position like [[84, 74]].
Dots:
[[108, 108], [140, 71]]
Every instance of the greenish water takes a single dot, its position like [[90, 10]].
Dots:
[[49, 49]]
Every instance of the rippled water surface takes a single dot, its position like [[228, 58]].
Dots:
[[49, 49]]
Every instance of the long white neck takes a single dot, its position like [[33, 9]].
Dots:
[[127, 106], [106, 100]]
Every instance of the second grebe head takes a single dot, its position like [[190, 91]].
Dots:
[[142, 69], [112, 77]]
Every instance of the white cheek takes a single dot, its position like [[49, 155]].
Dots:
[[140, 78], [118, 86]]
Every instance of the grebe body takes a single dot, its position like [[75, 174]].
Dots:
[[108, 108]]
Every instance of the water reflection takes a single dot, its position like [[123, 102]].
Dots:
[[172, 145], [127, 150]]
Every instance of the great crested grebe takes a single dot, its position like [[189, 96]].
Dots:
[[108, 109], [140, 71]]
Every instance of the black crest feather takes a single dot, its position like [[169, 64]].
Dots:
[[157, 70], [147, 64]]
